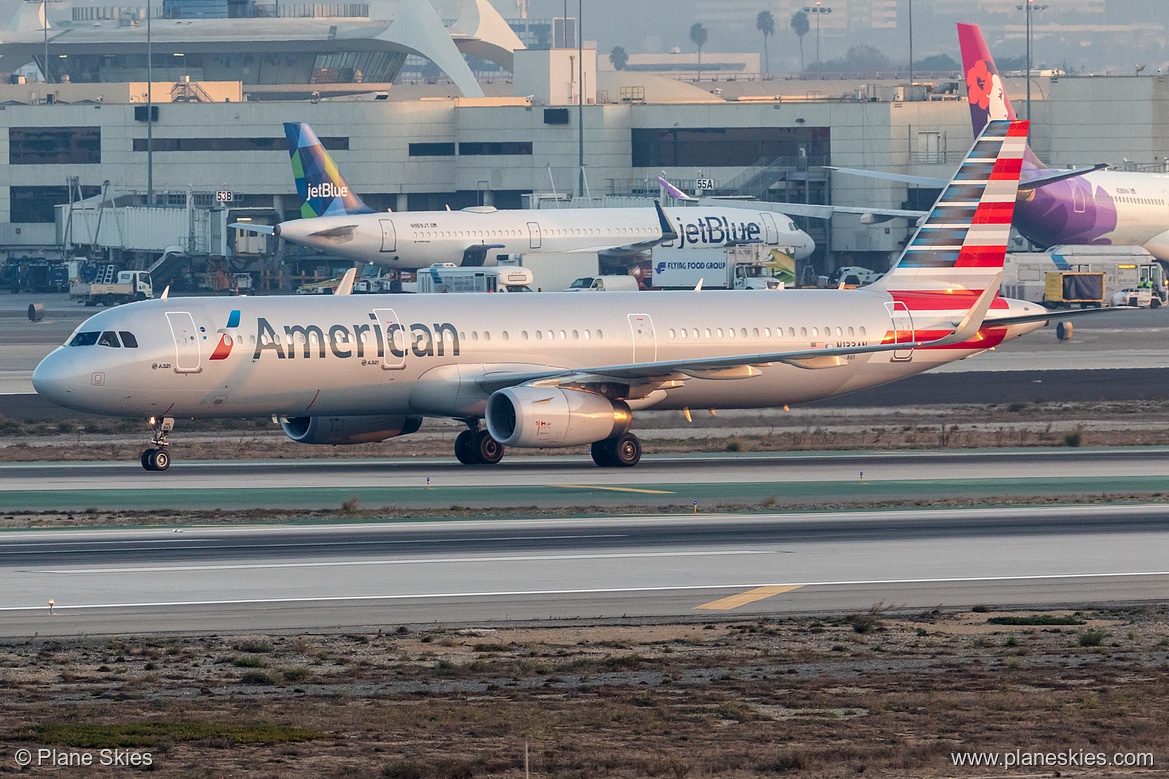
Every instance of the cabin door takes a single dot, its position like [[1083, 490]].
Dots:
[[394, 336], [902, 329], [645, 342], [186, 335], [534, 237], [389, 235]]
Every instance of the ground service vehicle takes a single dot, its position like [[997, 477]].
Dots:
[[448, 277], [748, 266], [604, 284], [1124, 267], [113, 287], [1064, 289]]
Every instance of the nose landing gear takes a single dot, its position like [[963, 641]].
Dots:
[[158, 458]]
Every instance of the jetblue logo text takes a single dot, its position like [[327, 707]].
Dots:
[[328, 189], [375, 339], [715, 231]]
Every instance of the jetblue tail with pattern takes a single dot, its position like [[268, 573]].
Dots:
[[962, 243], [322, 190]]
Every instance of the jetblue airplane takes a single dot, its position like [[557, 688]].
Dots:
[[1084, 206], [556, 369], [336, 220]]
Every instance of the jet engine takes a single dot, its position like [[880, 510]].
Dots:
[[348, 430], [550, 416]]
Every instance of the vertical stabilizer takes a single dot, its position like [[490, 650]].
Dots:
[[962, 243], [319, 184], [984, 86]]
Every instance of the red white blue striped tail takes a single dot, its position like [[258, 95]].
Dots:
[[961, 245]]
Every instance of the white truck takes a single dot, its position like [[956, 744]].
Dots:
[[448, 277], [112, 288], [748, 266], [603, 284], [1124, 268]]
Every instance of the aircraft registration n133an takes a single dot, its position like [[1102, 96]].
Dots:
[[556, 369], [334, 219]]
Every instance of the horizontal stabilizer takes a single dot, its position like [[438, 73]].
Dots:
[[1048, 176], [1024, 319], [921, 181], [254, 228], [343, 231]]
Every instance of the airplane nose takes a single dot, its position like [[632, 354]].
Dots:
[[56, 378]]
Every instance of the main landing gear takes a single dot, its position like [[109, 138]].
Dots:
[[624, 451], [158, 458], [477, 447]]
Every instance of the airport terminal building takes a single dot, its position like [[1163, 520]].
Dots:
[[455, 144]]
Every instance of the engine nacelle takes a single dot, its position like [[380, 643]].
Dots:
[[348, 430], [550, 416]]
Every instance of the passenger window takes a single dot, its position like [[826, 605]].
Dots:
[[505, 336], [539, 335], [756, 332], [587, 334], [791, 332], [851, 331], [85, 339], [524, 335], [563, 335], [815, 331], [730, 332], [474, 335], [707, 331], [743, 332], [804, 332], [575, 335], [486, 335], [683, 331], [839, 331], [862, 329], [128, 340], [600, 334]]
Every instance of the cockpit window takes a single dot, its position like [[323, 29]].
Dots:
[[128, 340], [109, 338], [85, 339]]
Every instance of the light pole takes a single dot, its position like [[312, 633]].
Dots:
[[580, 98], [149, 112], [1029, 6], [818, 9]]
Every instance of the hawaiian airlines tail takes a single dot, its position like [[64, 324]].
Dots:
[[984, 87], [318, 182], [962, 243]]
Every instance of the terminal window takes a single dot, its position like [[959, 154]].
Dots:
[[231, 144], [432, 150], [494, 148], [54, 145], [36, 204], [730, 146]]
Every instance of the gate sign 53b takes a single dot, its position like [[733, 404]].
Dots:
[[224, 196]]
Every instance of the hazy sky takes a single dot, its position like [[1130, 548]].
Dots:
[[1124, 33]]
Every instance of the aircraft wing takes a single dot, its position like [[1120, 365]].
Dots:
[[813, 211], [1040, 179], [738, 366], [669, 233], [1023, 319]]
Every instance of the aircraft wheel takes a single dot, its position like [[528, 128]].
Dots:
[[465, 448], [146, 459], [602, 452], [488, 451], [626, 450], [159, 459]]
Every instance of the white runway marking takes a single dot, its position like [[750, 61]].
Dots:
[[419, 561], [589, 591]]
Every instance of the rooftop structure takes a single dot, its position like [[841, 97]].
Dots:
[[110, 44]]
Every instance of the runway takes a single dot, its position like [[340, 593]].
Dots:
[[490, 571], [556, 481]]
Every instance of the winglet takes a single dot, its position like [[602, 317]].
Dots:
[[972, 322], [668, 231], [673, 191], [346, 285], [165, 293]]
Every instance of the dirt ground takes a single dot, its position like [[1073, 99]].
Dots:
[[875, 694]]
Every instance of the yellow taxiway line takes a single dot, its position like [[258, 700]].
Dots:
[[750, 596], [611, 489]]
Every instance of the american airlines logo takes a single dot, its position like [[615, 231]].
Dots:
[[328, 189], [362, 340]]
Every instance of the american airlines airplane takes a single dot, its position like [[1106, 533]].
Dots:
[[337, 221], [556, 369], [1085, 206]]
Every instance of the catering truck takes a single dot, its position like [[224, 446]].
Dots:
[[448, 277], [746, 266]]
